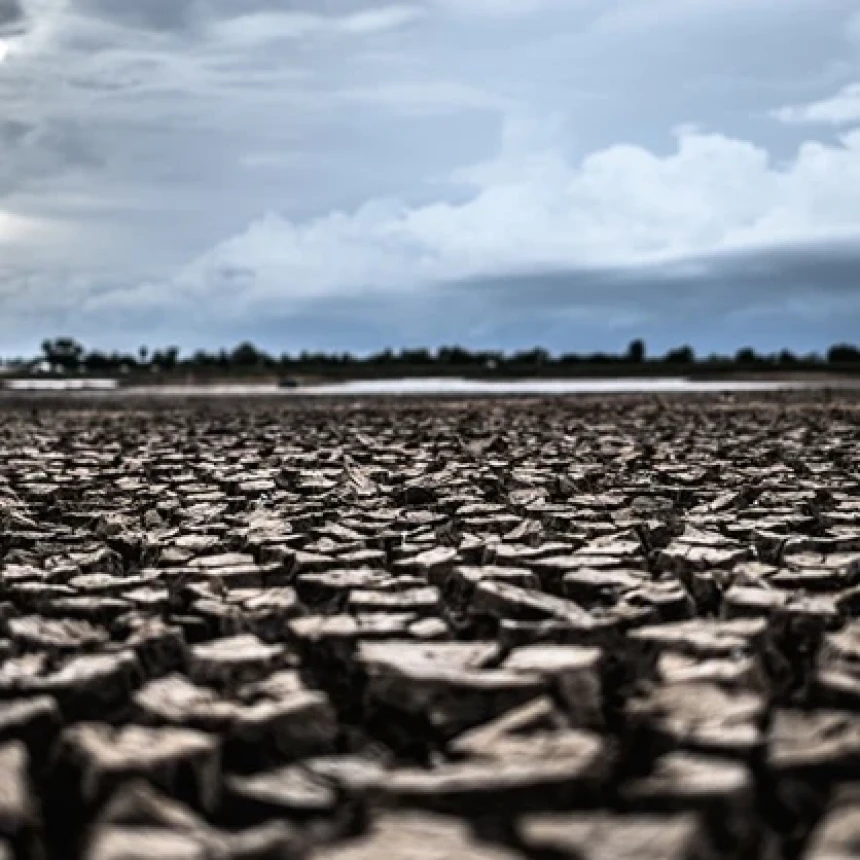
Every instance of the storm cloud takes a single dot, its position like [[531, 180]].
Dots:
[[11, 17]]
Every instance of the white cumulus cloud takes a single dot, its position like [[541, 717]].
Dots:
[[536, 210], [841, 109]]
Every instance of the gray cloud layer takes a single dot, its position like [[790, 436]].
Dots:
[[355, 173], [11, 17]]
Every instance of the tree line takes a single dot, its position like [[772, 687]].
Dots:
[[65, 355]]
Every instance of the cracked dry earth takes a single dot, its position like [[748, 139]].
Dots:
[[450, 629]]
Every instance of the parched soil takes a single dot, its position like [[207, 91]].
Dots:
[[592, 629]]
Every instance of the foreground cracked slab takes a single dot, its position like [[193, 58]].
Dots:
[[576, 628]]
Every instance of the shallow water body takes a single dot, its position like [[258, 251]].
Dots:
[[422, 387]]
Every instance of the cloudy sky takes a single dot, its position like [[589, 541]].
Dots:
[[352, 174]]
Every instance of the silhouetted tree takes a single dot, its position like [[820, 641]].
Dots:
[[384, 357], [245, 355], [534, 357], [453, 355], [202, 359], [681, 355], [636, 351], [416, 356], [98, 362], [843, 353], [166, 360], [747, 355], [63, 353]]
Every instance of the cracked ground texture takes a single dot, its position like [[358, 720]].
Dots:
[[560, 628]]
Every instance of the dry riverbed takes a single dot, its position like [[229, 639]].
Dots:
[[487, 630]]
